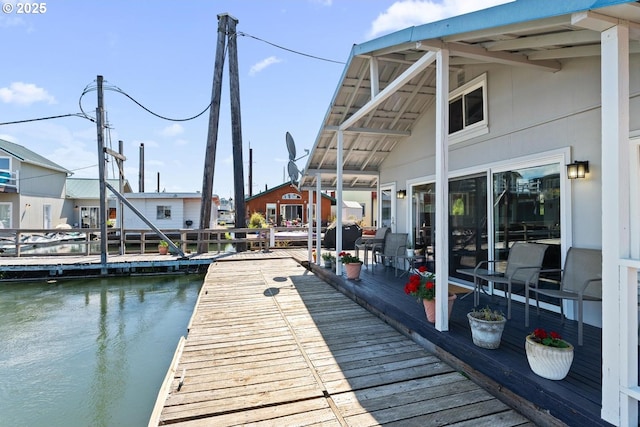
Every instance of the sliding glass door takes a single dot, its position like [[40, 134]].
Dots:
[[468, 243]]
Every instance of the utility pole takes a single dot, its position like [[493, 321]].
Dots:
[[101, 173], [120, 162], [226, 30], [212, 134], [141, 170], [236, 132]]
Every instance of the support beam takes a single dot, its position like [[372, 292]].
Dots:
[[442, 190], [339, 199], [619, 361], [388, 91]]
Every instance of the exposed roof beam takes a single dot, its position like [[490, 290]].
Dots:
[[489, 33], [370, 131], [598, 22], [478, 52], [555, 39], [388, 91], [577, 52], [350, 172]]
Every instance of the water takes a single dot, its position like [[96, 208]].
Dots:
[[89, 352]]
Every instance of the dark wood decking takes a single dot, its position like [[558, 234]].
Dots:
[[576, 400], [271, 344]]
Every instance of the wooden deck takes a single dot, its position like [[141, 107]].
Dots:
[[576, 400], [270, 343]]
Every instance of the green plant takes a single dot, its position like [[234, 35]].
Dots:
[[257, 220], [326, 256], [488, 314], [347, 258], [551, 339], [421, 285], [163, 243]]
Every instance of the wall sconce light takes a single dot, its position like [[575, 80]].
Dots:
[[577, 169], [401, 194]]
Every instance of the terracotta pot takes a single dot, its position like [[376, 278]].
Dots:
[[163, 250], [352, 270], [552, 363], [430, 307]]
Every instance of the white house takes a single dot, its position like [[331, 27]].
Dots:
[[466, 125], [168, 210]]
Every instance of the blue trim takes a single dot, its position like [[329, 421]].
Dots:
[[506, 14]]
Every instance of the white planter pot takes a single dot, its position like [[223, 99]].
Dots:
[[552, 363], [486, 333], [410, 252]]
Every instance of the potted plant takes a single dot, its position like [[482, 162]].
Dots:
[[163, 247], [486, 327], [410, 251], [352, 265], [422, 286], [326, 257], [548, 354]]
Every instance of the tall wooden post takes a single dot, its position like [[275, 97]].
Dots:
[[236, 127], [212, 134], [121, 188], [101, 173]]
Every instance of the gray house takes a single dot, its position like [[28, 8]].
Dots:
[[472, 130], [32, 189]]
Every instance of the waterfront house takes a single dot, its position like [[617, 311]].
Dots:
[[32, 189], [465, 128], [82, 206], [168, 210], [284, 205]]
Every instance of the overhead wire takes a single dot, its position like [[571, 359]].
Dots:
[[240, 33]]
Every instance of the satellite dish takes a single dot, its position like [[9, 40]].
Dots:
[[294, 172], [291, 146]]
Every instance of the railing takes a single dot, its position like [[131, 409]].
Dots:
[[9, 180], [75, 241]]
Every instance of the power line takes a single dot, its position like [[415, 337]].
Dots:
[[290, 50], [47, 118]]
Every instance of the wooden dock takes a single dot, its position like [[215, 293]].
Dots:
[[270, 343]]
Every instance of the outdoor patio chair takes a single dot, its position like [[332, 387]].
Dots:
[[368, 244], [394, 244], [523, 267], [581, 281]]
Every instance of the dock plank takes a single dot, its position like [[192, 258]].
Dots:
[[270, 343]]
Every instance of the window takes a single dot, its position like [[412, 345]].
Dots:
[[468, 109], [163, 212], [5, 215]]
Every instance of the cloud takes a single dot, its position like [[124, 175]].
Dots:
[[323, 2], [24, 94], [263, 64], [173, 130], [407, 13]]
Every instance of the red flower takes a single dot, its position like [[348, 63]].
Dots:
[[421, 285], [422, 269], [551, 339]]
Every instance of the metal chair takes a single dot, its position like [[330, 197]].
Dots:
[[394, 244], [369, 243], [581, 281], [523, 267]]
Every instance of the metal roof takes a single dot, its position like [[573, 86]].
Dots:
[[525, 33], [27, 156], [89, 188]]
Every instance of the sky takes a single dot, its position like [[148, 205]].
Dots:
[[291, 54]]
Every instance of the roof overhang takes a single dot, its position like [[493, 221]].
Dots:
[[389, 82]]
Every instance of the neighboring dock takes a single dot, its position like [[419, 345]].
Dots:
[[270, 343]]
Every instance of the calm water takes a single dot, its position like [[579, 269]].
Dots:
[[89, 352]]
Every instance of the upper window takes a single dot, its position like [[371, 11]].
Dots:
[[163, 212], [468, 110]]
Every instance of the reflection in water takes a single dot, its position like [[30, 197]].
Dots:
[[91, 352]]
